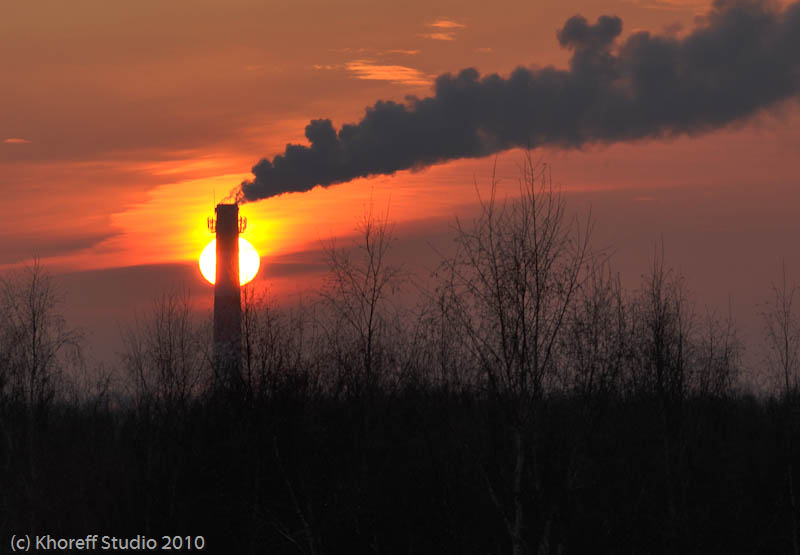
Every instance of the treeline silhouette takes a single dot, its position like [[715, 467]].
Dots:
[[526, 404]]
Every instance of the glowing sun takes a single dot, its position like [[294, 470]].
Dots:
[[249, 261]]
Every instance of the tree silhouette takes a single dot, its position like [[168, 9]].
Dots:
[[782, 336], [166, 354], [37, 348], [512, 282]]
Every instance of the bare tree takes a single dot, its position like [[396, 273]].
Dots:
[[718, 356], [663, 326], [37, 350], [357, 300], [276, 343], [359, 319], [37, 344], [515, 275], [597, 343], [673, 359], [442, 356], [168, 365], [165, 352], [782, 334]]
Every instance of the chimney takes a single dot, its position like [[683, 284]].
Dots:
[[227, 297]]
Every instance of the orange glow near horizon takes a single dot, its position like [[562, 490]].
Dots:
[[249, 261]]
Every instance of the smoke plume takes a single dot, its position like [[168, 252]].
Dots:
[[742, 56]]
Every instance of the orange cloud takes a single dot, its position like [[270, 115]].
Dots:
[[402, 51], [365, 69], [16, 141], [697, 6], [444, 29], [438, 36], [327, 66], [446, 24]]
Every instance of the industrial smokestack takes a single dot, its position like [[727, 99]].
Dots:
[[742, 57], [227, 297]]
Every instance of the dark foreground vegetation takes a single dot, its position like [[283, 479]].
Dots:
[[527, 405]]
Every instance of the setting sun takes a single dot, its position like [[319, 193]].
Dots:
[[249, 261]]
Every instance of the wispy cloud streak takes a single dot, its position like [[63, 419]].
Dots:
[[366, 69], [446, 24], [438, 36]]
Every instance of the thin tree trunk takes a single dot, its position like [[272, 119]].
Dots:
[[519, 466], [793, 506]]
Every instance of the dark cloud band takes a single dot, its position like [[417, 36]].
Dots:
[[741, 58]]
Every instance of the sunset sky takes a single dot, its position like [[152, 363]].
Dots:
[[121, 123]]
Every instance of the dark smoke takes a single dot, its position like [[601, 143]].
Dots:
[[743, 56]]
